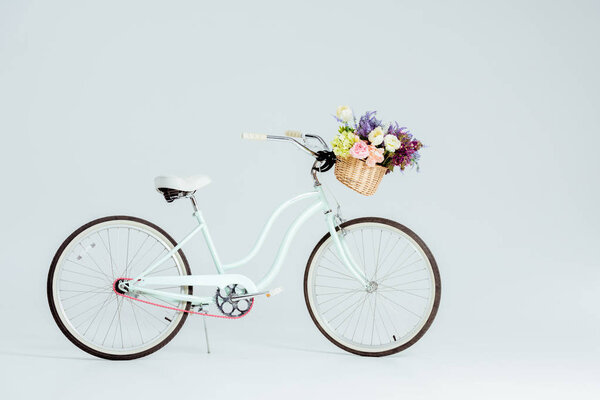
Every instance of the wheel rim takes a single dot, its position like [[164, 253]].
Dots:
[[397, 302], [82, 288]]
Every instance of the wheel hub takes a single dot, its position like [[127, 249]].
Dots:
[[119, 286], [371, 287]]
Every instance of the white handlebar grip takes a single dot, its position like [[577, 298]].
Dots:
[[254, 136], [297, 134]]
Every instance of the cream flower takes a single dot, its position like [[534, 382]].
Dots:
[[392, 143], [376, 136], [344, 113]]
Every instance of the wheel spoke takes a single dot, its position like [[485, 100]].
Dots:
[[384, 288], [137, 252], [395, 275], [359, 314], [108, 299], [347, 318], [343, 295], [349, 296], [90, 269], [400, 305], [337, 272], [107, 248], [162, 270], [374, 277], [136, 320], [391, 268], [81, 273], [93, 296], [82, 284]]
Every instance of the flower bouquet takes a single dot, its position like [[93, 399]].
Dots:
[[368, 149]]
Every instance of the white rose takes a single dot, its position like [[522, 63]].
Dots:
[[376, 136], [392, 143], [344, 113]]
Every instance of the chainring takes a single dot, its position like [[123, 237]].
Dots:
[[226, 303]]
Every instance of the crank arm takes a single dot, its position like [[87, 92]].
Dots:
[[250, 295], [247, 296]]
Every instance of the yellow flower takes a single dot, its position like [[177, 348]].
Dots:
[[342, 143]]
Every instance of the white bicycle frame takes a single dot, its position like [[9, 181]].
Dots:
[[143, 283]]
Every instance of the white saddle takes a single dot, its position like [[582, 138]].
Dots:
[[178, 183]]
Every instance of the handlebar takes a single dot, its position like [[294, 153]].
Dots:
[[325, 159], [254, 136], [296, 137], [262, 136], [296, 134]]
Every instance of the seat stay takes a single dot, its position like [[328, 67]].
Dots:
[[170, 254]]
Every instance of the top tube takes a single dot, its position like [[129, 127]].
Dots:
[[261, 239]]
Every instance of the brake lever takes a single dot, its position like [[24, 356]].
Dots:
[[319, 138]]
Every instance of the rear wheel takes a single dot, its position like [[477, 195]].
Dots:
[[81, 291], [400, 301]]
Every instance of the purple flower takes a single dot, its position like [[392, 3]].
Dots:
[[366, 124], [407, 154], [398, 131]]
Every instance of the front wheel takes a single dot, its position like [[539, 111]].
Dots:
[[400, 301]]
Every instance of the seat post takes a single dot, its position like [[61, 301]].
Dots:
[[194, 203]]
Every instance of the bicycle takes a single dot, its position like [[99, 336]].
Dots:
[[120, 287]]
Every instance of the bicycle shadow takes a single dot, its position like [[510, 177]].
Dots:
[[308, 350], [46, 356]]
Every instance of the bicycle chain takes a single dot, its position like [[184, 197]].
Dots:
[[178, 309]]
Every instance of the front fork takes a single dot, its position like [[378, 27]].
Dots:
[[338, 234]]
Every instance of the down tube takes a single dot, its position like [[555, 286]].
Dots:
[[285, 244]]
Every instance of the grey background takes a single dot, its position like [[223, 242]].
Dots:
[[96, 98]]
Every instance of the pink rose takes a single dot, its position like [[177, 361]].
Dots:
[[375, 156], [360, 150]]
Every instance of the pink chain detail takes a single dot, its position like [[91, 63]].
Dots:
[[175, 308]]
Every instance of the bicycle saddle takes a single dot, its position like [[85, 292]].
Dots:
[[174, 187]]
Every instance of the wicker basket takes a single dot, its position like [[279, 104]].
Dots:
[[358, 176]]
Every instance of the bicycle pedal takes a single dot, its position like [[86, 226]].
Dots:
[[274, 292]]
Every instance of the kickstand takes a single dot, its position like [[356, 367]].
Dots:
[[206, 335]]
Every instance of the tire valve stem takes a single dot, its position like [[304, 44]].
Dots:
[[168, 319], [394, 336]]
